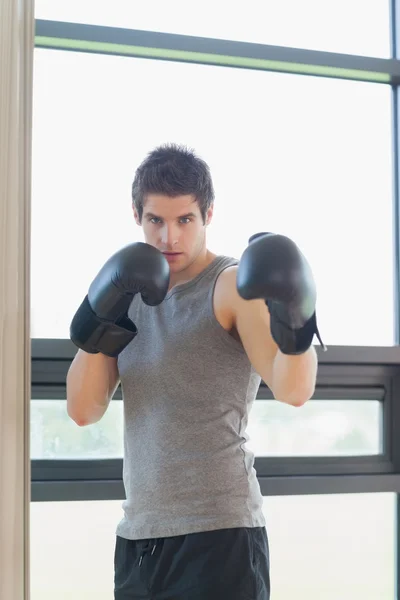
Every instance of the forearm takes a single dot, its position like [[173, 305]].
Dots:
[[91, 383], [294, 377]]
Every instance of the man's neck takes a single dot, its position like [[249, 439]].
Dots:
[[197, 266]]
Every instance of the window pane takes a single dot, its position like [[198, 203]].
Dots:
[[322, 547], [72, 549], [349, 26], [332, 547], [304, 156], [55, 435], [319, 428]]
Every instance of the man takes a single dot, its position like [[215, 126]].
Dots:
[[190, 335]]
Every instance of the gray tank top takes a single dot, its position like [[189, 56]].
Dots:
[[188, 387]]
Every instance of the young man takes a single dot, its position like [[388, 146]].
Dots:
[[190, 335]]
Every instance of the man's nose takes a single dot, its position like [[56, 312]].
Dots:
[[169, 235]]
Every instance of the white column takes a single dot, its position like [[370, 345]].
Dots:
[[16, 58]]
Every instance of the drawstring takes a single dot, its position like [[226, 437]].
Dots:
[[150, 544]]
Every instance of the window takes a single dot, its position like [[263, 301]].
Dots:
[[304, 156], [72, 549], [55, 436], [321, 547], [349, 26], [330, 547], [320, 428]]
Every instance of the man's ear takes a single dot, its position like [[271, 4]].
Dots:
[[136, 215], [209, 214]]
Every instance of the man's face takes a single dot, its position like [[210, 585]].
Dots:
[[175, 227]]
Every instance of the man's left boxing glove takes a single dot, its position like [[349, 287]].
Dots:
[[272, 268]]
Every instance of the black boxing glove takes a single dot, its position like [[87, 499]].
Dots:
[[272, 268], [101, 323]]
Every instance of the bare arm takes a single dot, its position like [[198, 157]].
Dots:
[[291, 379], [295, 376], [91, 383]]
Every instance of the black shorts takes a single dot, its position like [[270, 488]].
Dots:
[[227, 564]]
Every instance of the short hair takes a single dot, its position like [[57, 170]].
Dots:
[[173, 170]]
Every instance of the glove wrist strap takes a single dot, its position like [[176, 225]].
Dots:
[[294, 341], [93, 334]]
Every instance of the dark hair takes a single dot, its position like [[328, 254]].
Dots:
[[173, 170]]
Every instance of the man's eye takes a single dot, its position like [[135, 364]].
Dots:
[[185, 220], [155, 220]]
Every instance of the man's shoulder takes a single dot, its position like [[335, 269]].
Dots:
[[226, 294], [227, 278]]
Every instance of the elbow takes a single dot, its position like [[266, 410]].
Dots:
[[299, 400], [81, 422], [85, 415], [297, 397], [303, 394], [75, 412], [79, 419], [296, 400]]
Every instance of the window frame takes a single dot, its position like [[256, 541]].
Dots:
[[345, 373]]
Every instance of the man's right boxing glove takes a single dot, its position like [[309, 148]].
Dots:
[[101, 323]]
